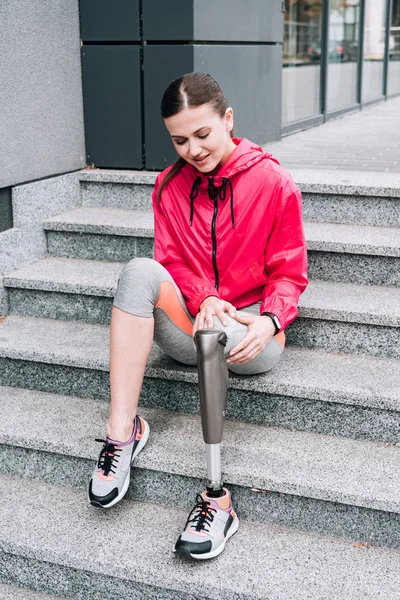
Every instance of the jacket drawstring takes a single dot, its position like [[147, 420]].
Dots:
[[193, 194], [222, 195], [213, 192]]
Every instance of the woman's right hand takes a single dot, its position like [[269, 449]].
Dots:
[[213, 306]]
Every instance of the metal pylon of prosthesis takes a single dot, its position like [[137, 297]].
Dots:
[[213, 388]]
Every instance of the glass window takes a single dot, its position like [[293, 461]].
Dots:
[[301, 60], [394, 51], [374, 50], [343, 49]]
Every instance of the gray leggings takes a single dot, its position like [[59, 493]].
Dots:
[[146, 289]]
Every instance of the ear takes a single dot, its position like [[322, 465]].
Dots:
[[229, 119]]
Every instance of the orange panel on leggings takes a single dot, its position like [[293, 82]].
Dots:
[[169, 302], [280, 338]]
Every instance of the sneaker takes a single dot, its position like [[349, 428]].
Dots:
[[210, 525], [110, 479]]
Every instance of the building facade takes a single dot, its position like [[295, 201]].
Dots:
[[338, 55], [81, 81]]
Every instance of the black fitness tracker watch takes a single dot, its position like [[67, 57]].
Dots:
[[275, 321]]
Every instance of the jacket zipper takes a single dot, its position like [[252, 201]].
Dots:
[[214, 235]]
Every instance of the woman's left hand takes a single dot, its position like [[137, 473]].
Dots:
[[260, 332]]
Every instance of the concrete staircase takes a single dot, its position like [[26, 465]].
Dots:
[[311, 451]]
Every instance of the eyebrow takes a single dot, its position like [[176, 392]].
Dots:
[[194, 132]]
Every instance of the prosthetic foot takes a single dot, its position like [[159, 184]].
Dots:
[[212, 521]]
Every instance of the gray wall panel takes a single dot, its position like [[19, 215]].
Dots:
[[168, 20], [162, 64], [41, 110], [111, 76], [213, 20], [238, 20], [251, 78], [106, 21]]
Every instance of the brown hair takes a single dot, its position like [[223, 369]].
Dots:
[[190, 91]]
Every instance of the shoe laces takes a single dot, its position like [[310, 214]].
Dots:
[[202, 514], [109, 457]]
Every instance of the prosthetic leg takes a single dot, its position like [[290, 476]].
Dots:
[[213, 387], [213, 520]]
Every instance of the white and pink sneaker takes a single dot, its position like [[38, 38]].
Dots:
[[211, 523], [110, 479]]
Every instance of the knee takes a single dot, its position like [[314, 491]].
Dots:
[[141, 271], [139, 285], [138, 267]]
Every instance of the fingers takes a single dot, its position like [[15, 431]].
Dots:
[[220, 312], [208, 317], [242, 344], [205, 318], [246, 354], [230, 309], [245, 318]]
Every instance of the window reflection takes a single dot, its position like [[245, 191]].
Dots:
[[343, 52], [302, 54], [374, 49], [301, 60], [394, 51]]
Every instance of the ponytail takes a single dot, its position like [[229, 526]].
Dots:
[[178, 166]]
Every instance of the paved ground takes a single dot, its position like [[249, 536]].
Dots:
[[368, 140]]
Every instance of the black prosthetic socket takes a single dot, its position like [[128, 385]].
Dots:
[[211, 493]]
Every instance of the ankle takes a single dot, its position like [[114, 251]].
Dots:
[[120, 431]]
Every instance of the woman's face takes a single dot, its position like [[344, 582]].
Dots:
[[201, 136]]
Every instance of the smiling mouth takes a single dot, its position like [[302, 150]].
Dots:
[[202, 159]]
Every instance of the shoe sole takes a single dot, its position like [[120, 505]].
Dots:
[[214, 553], [122, 493]]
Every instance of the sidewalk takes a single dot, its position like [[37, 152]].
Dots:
[[368, 140]]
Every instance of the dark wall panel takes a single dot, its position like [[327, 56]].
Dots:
[[162, 64], [106, 21], [238, 20], [251, 79], [6, 217], [168, 20], [112, 105]]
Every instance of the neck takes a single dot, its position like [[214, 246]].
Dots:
[[230, 149]]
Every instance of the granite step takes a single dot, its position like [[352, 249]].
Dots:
[[353, 253], [338, 317], [337, 252], [328, 484], [101, 233], [328, 196], [351, 197], [11, 592], [311, 390], [92, 560]]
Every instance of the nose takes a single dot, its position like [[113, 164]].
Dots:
[[195, 148]]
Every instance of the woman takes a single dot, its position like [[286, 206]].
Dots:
[[228, 236]]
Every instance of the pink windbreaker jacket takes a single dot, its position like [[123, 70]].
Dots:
[[238, 235]]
